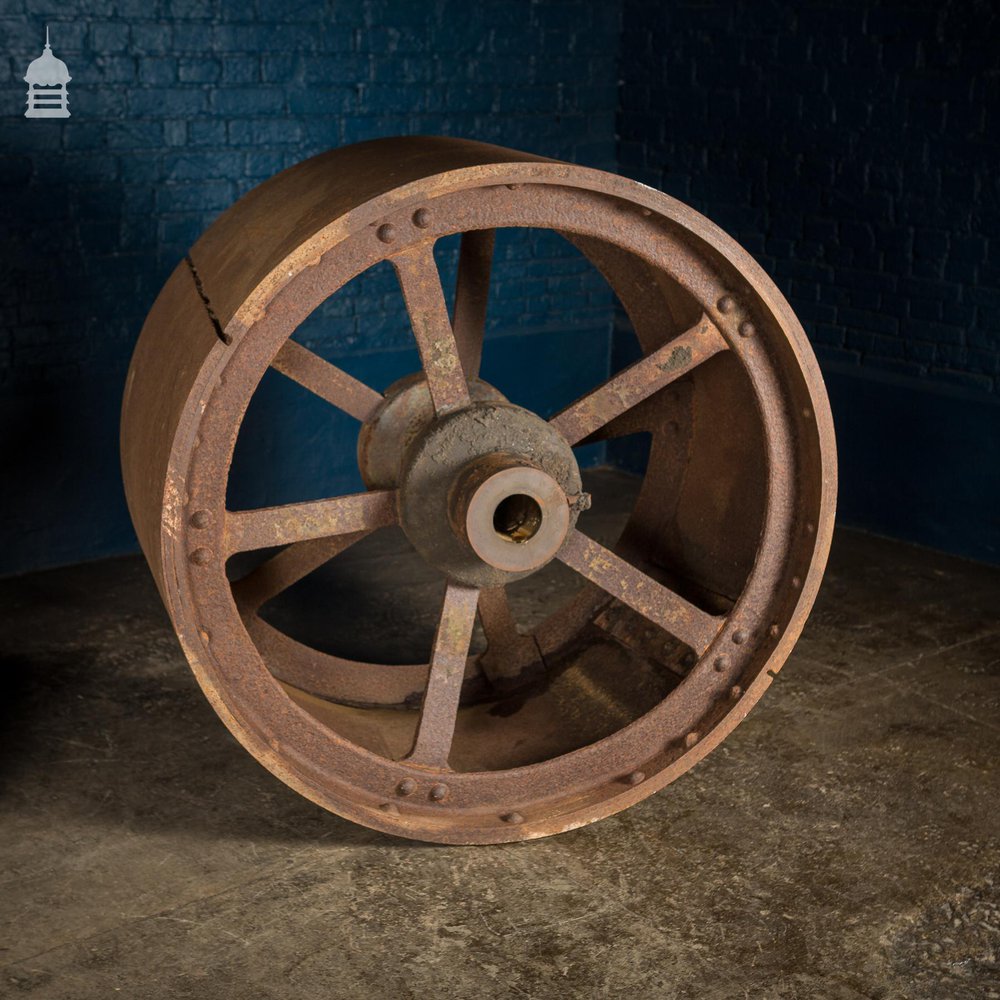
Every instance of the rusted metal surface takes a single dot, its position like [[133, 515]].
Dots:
[[629, 388], [655, 602], [513, 516], [509, 657], [472, 289], [463, 466], [424, 297], [327, 381], [708, 586], [402, 416], [247, 530], [439, 707]]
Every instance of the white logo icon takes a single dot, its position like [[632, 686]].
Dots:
[[46, 79]]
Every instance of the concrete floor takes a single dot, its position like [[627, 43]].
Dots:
[[844, 843]]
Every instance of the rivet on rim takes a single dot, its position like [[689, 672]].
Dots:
[[201, 519], [513, 818], [747, 329], [201, 557], [421, 218], [636, 778], [390, 807], [727, 304], [439, 793], [735, 692], [739, 637], [719, 664], [774, 631], [406, 787], [386, 232], [690, 739]]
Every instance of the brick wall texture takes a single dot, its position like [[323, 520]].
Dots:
[[180, 106], [853, 148]]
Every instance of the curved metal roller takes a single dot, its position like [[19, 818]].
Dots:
[[675, 632]]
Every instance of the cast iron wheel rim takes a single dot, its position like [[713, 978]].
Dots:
[[743, 314]]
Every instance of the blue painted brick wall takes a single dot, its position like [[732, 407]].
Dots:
[[178, 108], [852, 147]]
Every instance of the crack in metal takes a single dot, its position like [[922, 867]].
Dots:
[[203, 295]]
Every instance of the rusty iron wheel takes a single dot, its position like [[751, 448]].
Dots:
[[707, 589]]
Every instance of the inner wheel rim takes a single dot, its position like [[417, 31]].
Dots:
[[741, 314]]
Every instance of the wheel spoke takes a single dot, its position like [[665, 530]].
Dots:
[[472, 290], [296, 522], [508, 653], [289, 566], [421, 285], [328, 381], [639, 381], [439, 708], [640, 592]]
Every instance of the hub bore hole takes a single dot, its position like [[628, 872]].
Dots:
[[517, 517]]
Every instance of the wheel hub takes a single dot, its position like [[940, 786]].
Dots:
[[488, 493], [512, 515], [406, 412]]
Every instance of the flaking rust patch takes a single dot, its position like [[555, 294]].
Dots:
[[680, 357], [173, 508], [443, 356], [600, 562]]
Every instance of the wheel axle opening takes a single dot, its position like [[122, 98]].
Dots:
[[517, 517]]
